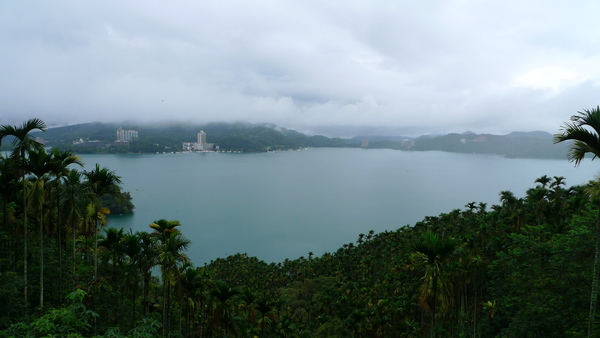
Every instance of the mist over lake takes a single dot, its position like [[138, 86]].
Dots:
[[286, 204]]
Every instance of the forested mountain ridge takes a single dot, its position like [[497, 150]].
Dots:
[[245, 137], [514, 145]]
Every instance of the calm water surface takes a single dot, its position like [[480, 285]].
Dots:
[[284, 205]]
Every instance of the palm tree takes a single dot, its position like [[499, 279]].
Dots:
[[146, 259], [557, 182], [62, 160], [513, 207], [482, 207], [163, 228], [22, 143], [113, 243], [75, 196], [101, 181], [224, 294], [538, 199], [171, 246], [132, 248], [39, 164], [544, 180], [431, 252], [9, 186], [170, 253], [42, 165], [249, 297], [265, 307], [192, 291], [508, 199], [584, 131]]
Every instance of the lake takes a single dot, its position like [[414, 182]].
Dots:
[[285, 204]]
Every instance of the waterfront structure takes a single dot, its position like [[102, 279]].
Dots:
[[201, 145], [201, 137], [91, 144], [126, 135]]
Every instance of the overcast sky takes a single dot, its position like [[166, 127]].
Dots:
[[419, 66]]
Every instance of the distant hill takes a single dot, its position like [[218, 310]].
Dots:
[[531, 134], [518, 144], [535, 144], [246, 137]]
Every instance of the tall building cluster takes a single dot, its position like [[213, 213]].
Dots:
[[201, 145], [126, 135]]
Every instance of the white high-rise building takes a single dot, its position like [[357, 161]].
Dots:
[[201, 137], [126, 135], [201, 145]]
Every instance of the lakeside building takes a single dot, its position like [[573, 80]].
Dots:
[[91, 144], [126, 135], [201, 137], [121, 143], [99, 144], [201, 145]]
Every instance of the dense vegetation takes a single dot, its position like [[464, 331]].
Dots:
[[521, 268]]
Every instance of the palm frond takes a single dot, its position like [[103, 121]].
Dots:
[[584, 131]]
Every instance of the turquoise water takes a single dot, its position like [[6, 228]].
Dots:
[[286, 204]]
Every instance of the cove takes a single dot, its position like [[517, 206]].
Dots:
[[283, 205]]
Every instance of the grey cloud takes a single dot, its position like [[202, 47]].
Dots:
[[431, 65]]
